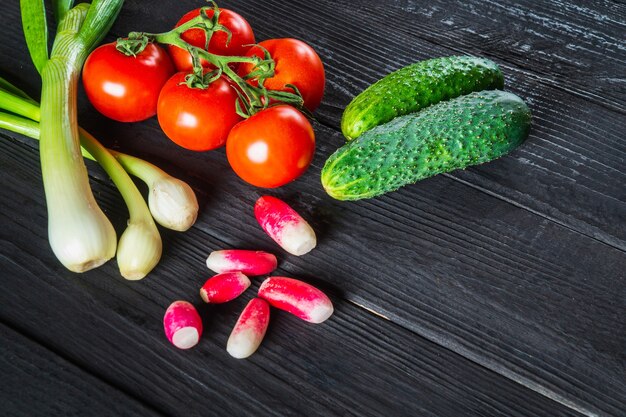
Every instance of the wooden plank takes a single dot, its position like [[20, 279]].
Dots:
[[571, 168], [473, 287], [37, 382], [472, 272], [504, 287], [357, 363]]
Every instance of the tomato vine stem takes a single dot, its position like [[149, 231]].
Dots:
[[253, 98]]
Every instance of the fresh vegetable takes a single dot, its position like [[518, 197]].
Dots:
[[295, 64], [198, 119], [233, 36], [61, 7], [139, 248], [247, 261], [182, 324], [272, 148], [418, 86], [284, 225], [35, 31], [465, 131], [249, 330], [80, 235], [197, 109], [224, 287], [126, 87], [12, 102], [298, 298], [172, 202]]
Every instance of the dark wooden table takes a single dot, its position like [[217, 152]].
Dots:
[[498, 290]]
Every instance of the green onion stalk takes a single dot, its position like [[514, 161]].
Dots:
[[80, 234]]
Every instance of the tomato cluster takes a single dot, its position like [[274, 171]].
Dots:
[[270, 147]]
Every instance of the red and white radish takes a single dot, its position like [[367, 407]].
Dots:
[[284, 225], [297, 297], [182, 323], [249, 329], [224, 287], [249, 262]]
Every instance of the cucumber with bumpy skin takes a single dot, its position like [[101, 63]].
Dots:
[[465, 131], [417, 86]]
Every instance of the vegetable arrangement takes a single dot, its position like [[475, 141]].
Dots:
[[220, 94], [253, 97], [182, 323], [228, 91], [210, 86], [422, 120], [80, 234]]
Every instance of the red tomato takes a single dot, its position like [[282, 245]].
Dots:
[[241, 35], [126, 88], [194, 118], [272, 147], [296, 63]]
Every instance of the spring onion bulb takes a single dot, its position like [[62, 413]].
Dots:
[[140, 246], [172, 202], [139, 249]]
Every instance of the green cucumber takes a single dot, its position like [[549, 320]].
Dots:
[[417, 86], [465, 131]]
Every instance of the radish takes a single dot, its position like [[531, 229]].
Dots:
[[249, 329], [247, 261], [297, 297], [224, 287], [182, 323], [284, 225]]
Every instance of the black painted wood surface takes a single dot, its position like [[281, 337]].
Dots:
[[498, 290]]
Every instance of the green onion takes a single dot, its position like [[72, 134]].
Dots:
[[139, 248], [61, 7], [22, 107], [19, 125], [80, 234]]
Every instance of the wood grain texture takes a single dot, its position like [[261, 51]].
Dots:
[[356, 363], [575, 46], [492, 262], [36, 382], [473, 290]]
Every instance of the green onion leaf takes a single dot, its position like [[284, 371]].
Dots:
[[35, 31]]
